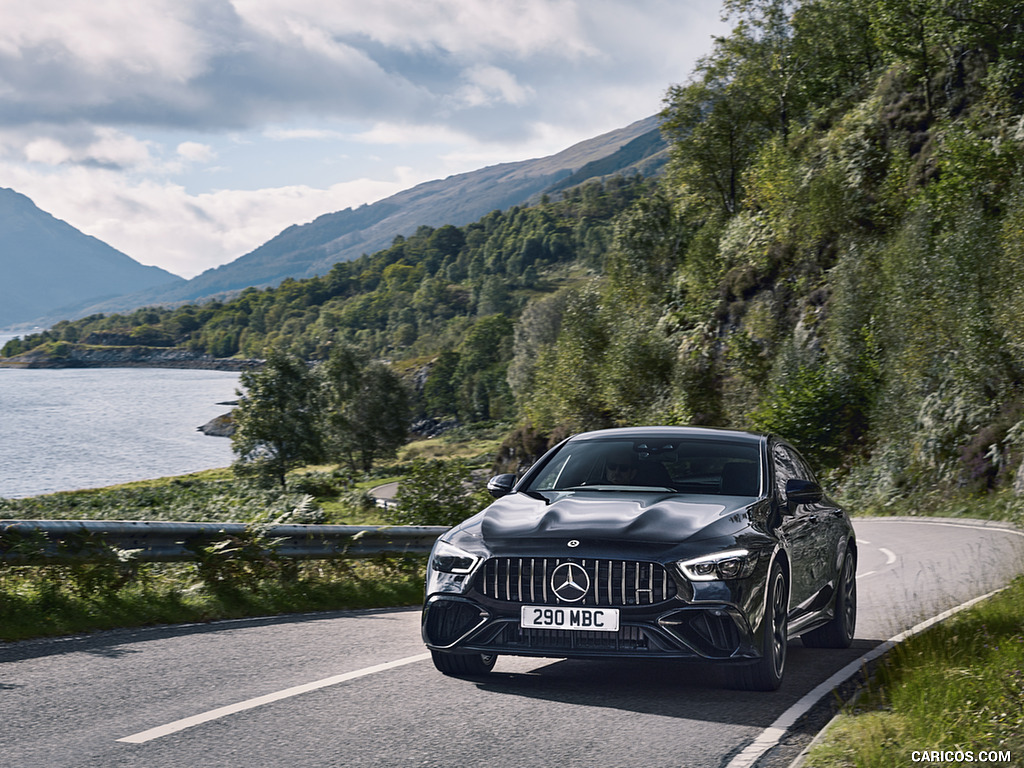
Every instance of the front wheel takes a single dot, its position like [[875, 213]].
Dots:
[[464, 664], [766, 673], [838, 633]]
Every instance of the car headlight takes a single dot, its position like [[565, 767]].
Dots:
[[448, 558], [731, 564], [450, 569]]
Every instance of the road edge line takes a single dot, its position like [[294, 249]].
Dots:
[[215, 714], [773, 734]]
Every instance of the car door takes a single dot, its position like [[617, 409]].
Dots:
[[800, 526]]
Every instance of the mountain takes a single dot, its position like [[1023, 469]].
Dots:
[[46, 265], [310, 249]]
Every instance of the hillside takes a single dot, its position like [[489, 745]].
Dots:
[[47, 265], [310, 249], [834, 252]]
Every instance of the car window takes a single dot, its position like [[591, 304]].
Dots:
[[788, 465], [698, 467]]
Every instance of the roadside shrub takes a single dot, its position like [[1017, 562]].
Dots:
[[815, 409], [230, 564], [184, 499], [437, 492], [321, 483]]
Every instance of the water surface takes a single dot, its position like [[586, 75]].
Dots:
[[76, 428]]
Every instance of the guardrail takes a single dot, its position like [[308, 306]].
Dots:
[[78, 541]]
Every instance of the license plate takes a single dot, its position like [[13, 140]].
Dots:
[[565, 617]]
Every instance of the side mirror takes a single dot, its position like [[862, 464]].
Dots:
[[501, 485], [802, 492]]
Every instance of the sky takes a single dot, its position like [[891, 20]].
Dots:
[[186, 133]]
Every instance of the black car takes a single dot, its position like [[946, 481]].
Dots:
[[648, 543]]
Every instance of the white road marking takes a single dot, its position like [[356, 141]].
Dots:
[[1002, 529], [773, 734], [214, 714], [890, 556]]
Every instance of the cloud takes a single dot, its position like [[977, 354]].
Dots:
[[99, 146], [489, 71], [195, 152], [488, 84], [461, 28], [161, 223], [218, 65], [187, 132]]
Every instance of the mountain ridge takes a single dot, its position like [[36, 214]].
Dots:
[[48, 265], [305, 250]]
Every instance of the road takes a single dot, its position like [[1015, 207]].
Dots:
[[357, 689]]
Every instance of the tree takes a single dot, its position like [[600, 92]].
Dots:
[[479, 384], [649, 242], [914, 31], [276, 419], [764, 43], [714, 125], [536, 330], [439, 390], [345, 409], [366, 410]]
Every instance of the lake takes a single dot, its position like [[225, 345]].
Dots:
[[74, 428]]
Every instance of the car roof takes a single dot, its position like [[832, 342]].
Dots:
[[687, 433]]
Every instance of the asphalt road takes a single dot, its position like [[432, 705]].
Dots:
[[357, 689]]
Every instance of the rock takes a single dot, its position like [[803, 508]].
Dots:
[[220, 426]]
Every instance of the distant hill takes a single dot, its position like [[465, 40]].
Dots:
[[310, 249], [46, 265]]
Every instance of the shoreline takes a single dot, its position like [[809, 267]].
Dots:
[[76, 356]]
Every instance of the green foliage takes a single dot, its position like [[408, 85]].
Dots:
[[398, 302], [345, 409], [818, 410], [834, 253], [276, 419], [715, 127], [188, 498], [956, 687], [437, 492], [364, 410], [228, 564], [42, 601]]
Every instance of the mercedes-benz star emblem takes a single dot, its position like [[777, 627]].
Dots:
[[574, 542], [570, 582]]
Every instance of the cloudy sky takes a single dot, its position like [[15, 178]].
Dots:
[[187, 132]]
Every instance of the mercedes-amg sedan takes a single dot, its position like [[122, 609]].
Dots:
[[649, 542]]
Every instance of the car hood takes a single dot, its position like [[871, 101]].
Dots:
[[607, 516]]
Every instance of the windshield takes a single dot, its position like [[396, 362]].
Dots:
[[683, 466]]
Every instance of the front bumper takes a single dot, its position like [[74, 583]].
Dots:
[[708, 631]]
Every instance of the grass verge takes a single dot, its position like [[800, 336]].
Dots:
[[955, 689], [54, 600]]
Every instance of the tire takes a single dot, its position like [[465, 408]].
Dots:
[[766, 673], [838, 633], [464, 664]]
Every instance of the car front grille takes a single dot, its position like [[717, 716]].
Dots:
[[611, 582]]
